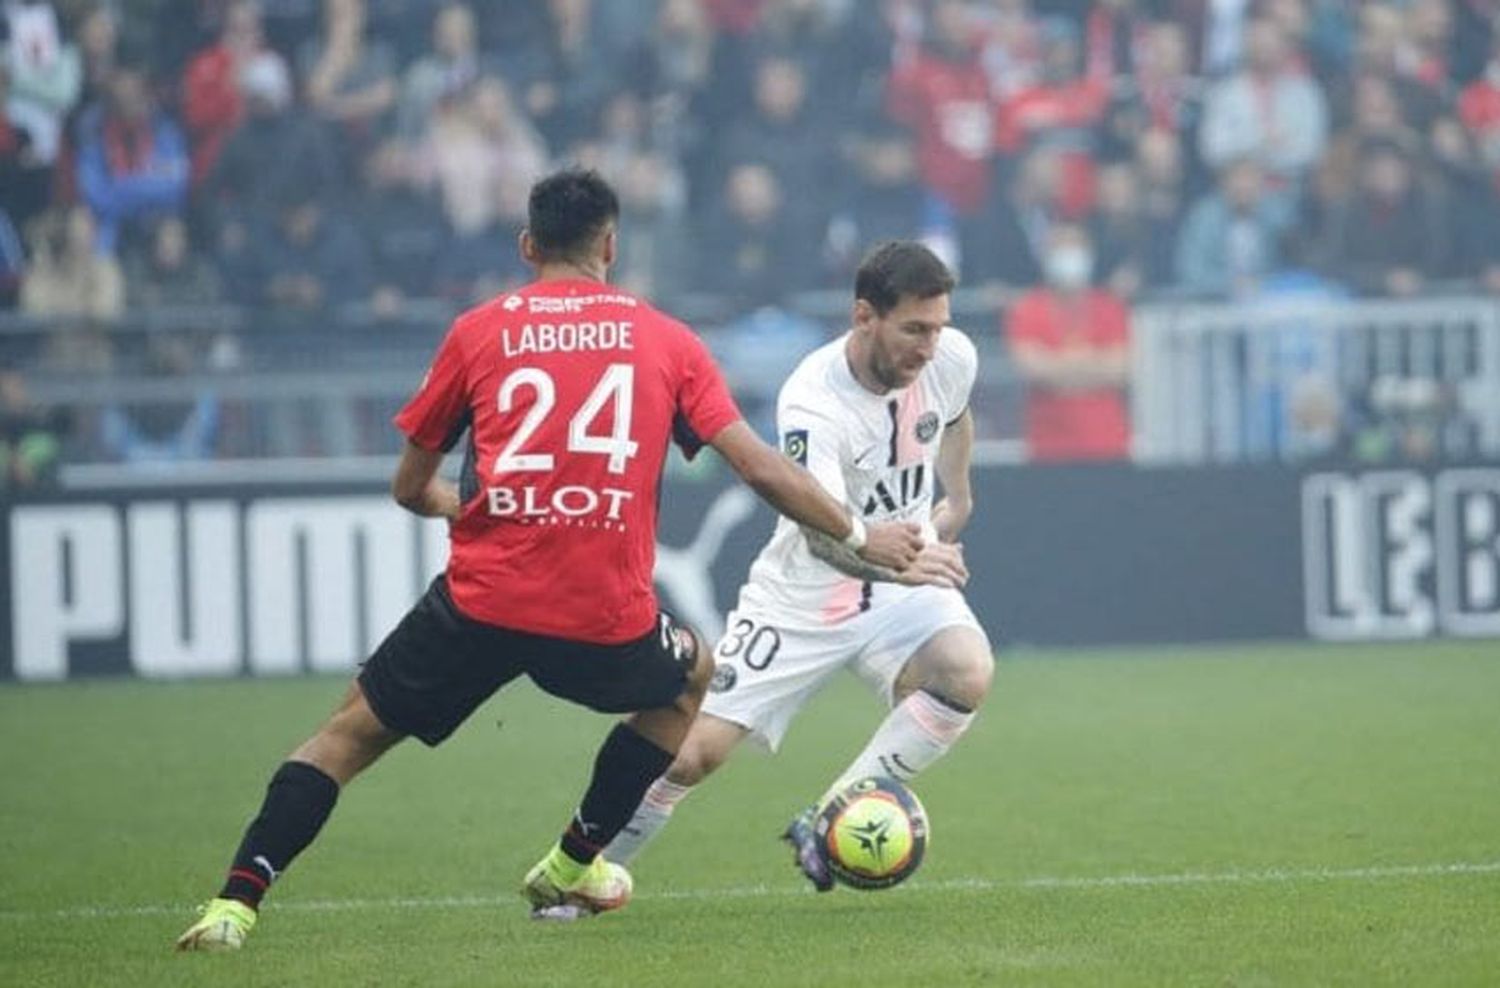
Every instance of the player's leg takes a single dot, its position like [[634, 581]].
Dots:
[[574, 878], [298, 801], [708, 745], [934, 699], [424, 680]]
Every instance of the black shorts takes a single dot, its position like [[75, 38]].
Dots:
[[438, 666]]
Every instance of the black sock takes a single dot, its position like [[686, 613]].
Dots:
[[297, 802], [626, 766]]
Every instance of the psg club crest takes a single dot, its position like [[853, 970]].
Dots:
[[794, 444], [927, 427]]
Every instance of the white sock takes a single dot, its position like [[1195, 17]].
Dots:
[[652, 815], [916, 733]]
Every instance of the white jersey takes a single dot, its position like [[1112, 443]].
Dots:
[[875, 453]]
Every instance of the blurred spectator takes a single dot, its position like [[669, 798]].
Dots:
[[30, 438], [1473, 193], [942, 92], [274, 153], [1271, 111], [1391, 237], [1161, 178], [1162, 94], [750, 252], [1019, 226], [403, 226], [98, 48], [1115, 33], [212, 97], [1476, 28], [23, 176], [132, 159], [882, 198], [164, 430], [1071, 344], [1123, 237], [482, 156], [165, 270], [310, 259], [780, 132], [12, 263], [562, 78], [1382, 49], [350, 77], [68, 276], [837, 55], [46, 74], [1060, 111], [1376, 116], [1479, 109], [1222, 28], [654, 248], [446, 72], [1230, 240]]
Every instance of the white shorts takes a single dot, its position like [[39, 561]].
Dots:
[[765, 671]]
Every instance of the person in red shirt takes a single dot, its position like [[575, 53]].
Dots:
[[1071, 343], [570, 392], [212, 104]]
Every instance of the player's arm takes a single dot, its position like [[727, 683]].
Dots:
[[797, 494], [937, 563], [418, 488], [955, 455]]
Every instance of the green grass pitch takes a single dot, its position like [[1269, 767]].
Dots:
[[1267, 816]]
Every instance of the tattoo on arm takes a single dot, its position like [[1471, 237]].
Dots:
[[846, 560]]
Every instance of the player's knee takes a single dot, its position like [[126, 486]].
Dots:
[[694, 763], [961, 673]]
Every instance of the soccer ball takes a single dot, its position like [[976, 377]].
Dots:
[[872, 833]]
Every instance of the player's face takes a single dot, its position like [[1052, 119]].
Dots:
[[904, 339]]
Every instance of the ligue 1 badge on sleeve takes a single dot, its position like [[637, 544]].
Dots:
[[794, 444]]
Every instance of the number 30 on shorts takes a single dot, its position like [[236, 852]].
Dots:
[[759, 643]]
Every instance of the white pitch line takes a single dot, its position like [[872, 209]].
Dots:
[[1273, 876]]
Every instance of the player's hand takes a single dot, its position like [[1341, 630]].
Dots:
[[893, 544], [939, 564], [950, 516]]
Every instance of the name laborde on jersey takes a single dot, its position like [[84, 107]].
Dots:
[[567, 337]]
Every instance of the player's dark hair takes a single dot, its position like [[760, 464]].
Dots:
[[898, 269], [567, 211]]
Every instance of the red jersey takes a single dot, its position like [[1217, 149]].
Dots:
[[570, 391], [1074, 425]]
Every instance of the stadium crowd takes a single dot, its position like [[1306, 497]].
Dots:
[[294, 155]]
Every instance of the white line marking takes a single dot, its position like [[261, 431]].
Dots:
[[1273, 876]]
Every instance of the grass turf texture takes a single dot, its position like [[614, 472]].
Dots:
[[1296, 783]]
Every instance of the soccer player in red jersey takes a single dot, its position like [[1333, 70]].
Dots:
[[570, 392]]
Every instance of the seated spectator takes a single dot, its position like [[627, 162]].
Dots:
[[1391, 237], [1230, 241], [481, 156], [779, 130], [23, 177], [452, 66], [1070, 342], [310, 259], [99, 51], [68, 276], [1122, 234], [749, 251], [350, 77], [1376, 116], [46, 73], [1018, 226], [563, 77], [165, 270], [132, 159], [163, 431], [212, 97], [30, 438], [1272, 111], [403, 226], [654, 259]]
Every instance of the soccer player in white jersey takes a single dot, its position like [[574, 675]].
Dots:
[[879, 416]]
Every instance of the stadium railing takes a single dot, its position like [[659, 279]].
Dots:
[[1301, 378]]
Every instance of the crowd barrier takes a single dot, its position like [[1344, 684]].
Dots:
[[279, 578]]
